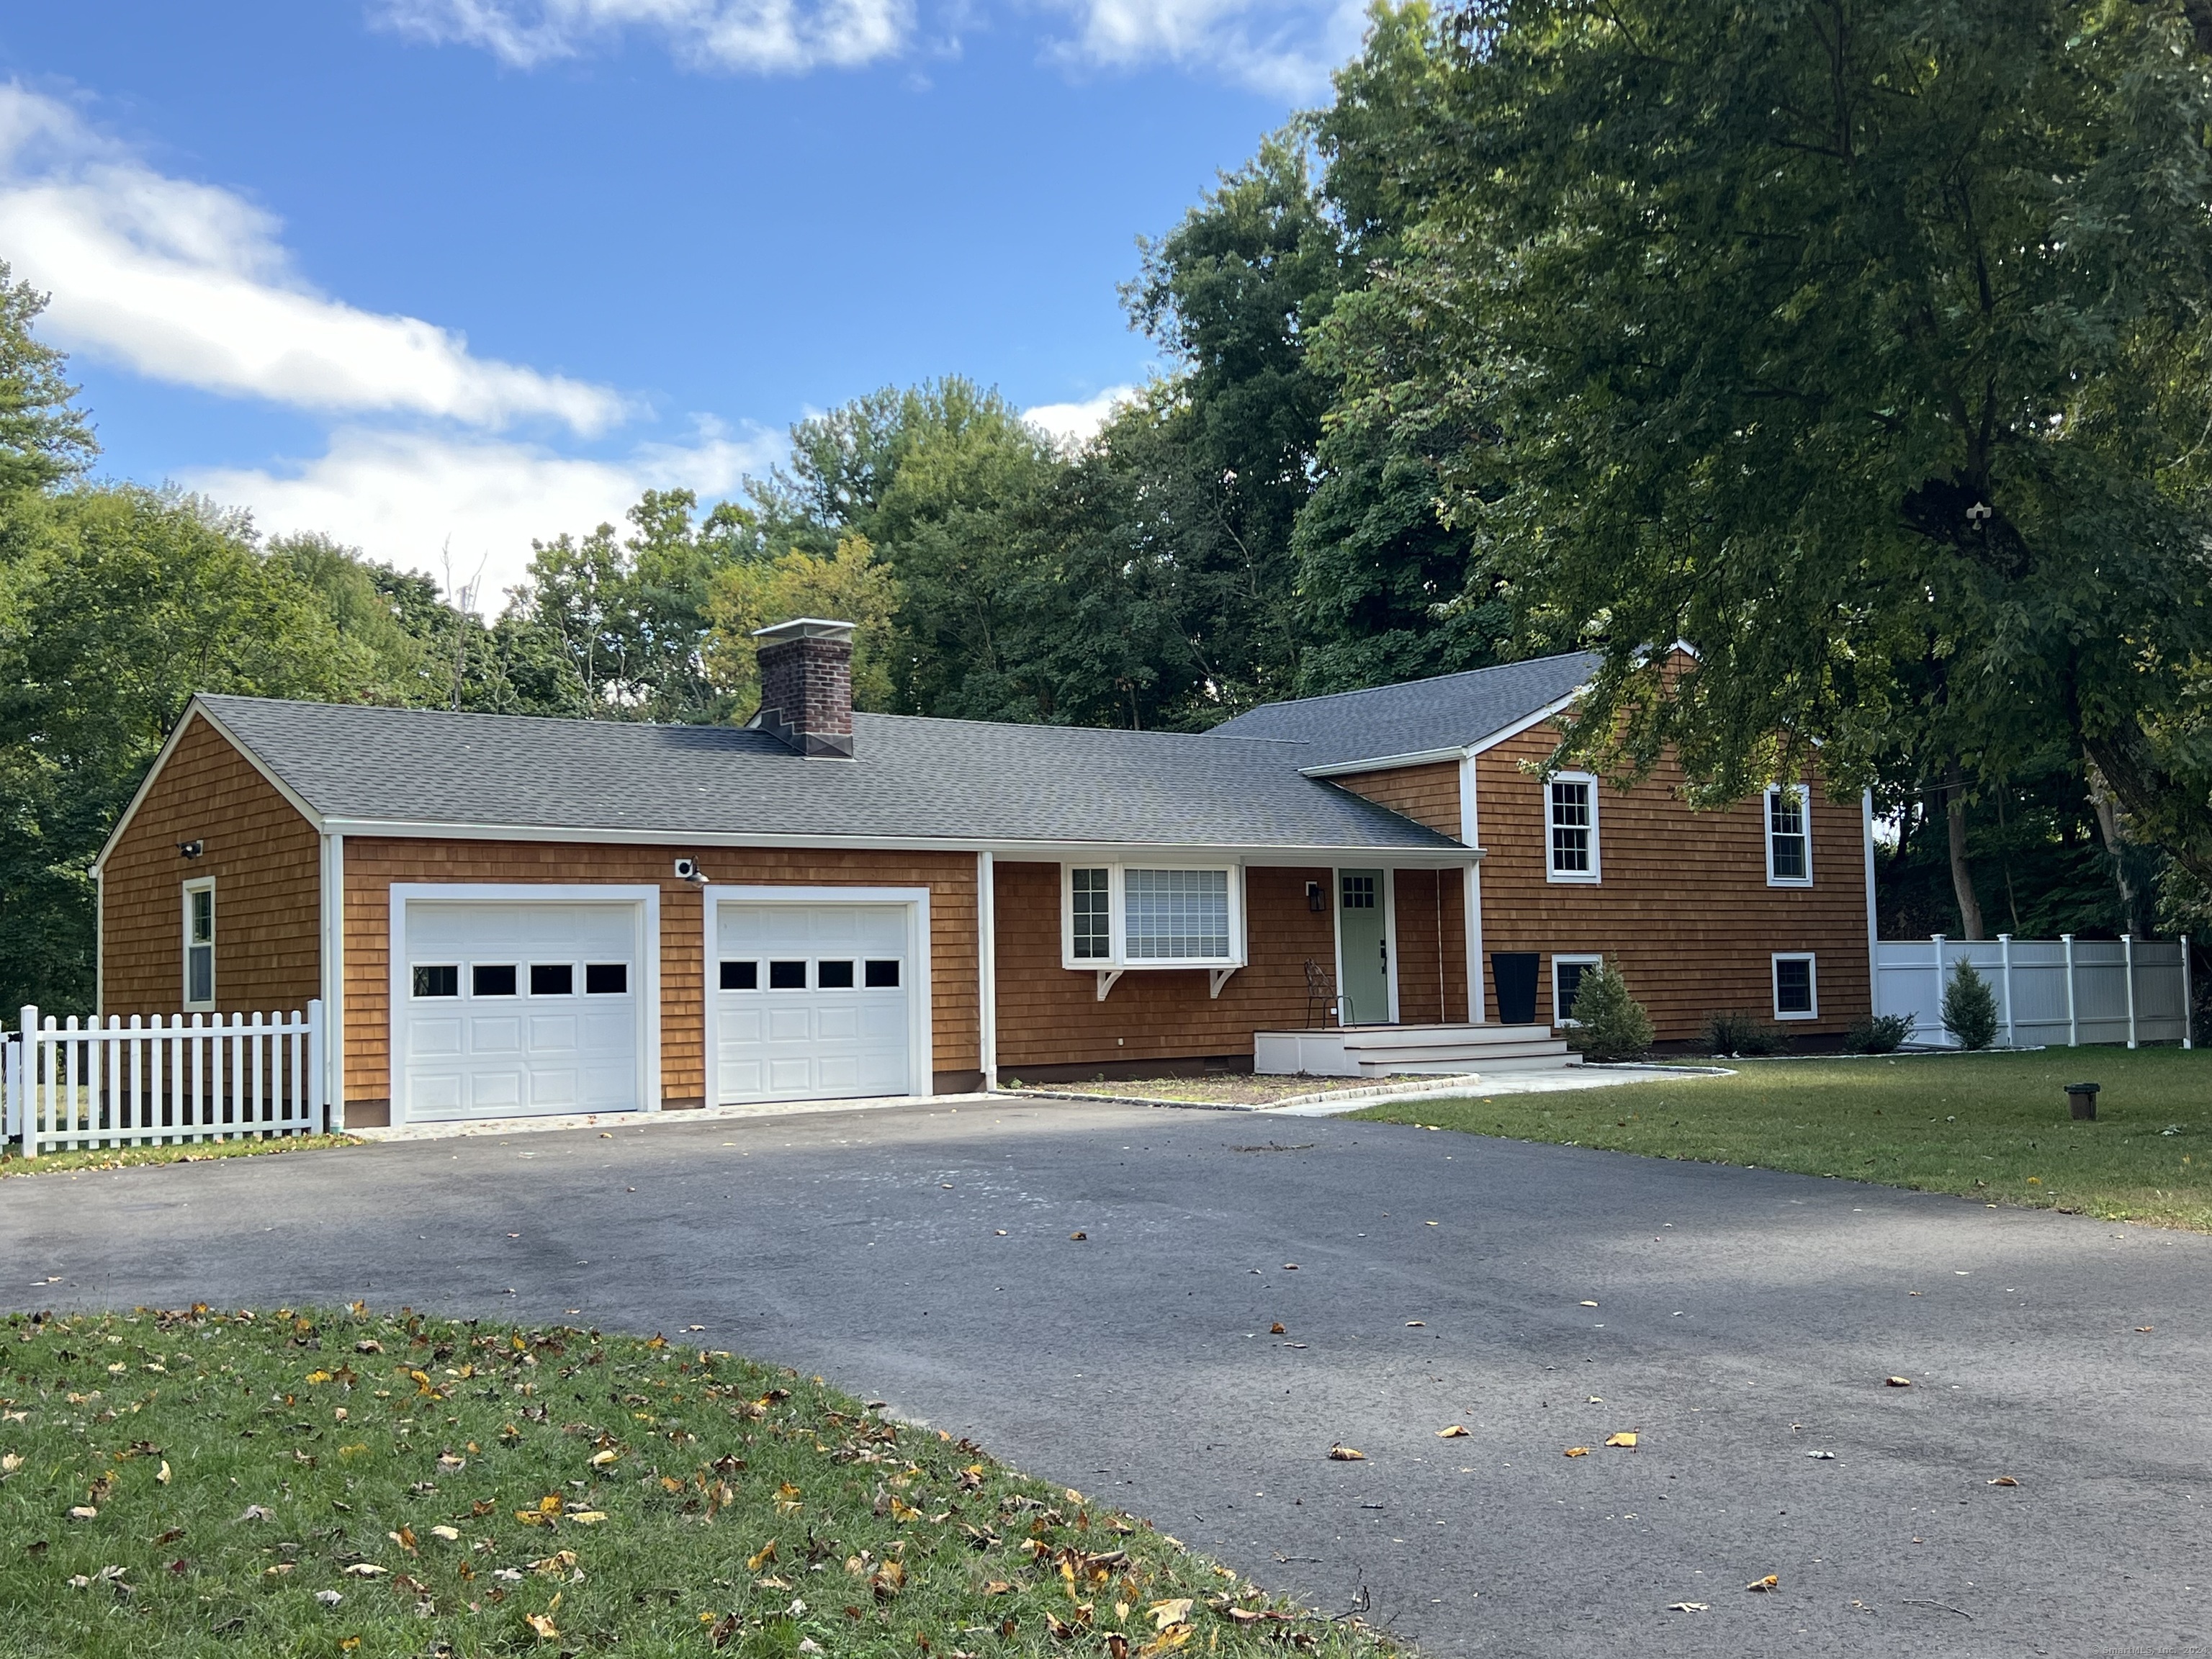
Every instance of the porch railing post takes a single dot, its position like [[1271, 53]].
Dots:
[[2188, 999], [1940, 1027], [29, 1030]]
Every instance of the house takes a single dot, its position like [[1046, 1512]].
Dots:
[[505, 915]]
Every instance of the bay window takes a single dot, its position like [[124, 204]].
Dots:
[[1117, 916]]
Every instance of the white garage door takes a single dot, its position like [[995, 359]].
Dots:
[[518, 1009], [812, 1002]]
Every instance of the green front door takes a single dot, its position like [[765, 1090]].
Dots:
[[1363, 947]]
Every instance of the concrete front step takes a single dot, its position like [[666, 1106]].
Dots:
[[1383, 1050]]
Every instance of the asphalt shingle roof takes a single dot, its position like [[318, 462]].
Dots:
[[1448, 712], [911, 778]]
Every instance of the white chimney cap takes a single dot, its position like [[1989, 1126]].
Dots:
[[804, 628]]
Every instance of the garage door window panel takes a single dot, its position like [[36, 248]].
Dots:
[[883, 975], [442, 979], [787, 975], [607, 979], [492, 979], [552, 979], [740, 976]]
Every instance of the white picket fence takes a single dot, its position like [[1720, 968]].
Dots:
[[169, 1079], [2048, 992]]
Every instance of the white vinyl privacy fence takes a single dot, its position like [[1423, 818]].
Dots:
[[171, 1078], [2048, 992]]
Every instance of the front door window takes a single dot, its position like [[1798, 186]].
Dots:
[[1363, 946]]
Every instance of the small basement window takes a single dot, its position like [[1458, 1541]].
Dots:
[[199, 943], [1789, 836], [1567, 983], [1797, 988], [1118, 916], [1570, 827]]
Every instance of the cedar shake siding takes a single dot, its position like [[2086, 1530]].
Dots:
[[1050, 1015], [1682, 908], [265, 860], [1427, 794], [1432, 958], [373, 864]]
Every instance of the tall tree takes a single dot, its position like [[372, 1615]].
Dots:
[[1860, 346]]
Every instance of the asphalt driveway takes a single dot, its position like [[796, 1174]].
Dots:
[[1743, 1327]]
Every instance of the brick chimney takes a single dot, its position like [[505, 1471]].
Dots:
[[806, 685]]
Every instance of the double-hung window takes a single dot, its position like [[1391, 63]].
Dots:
[[1131, 915], [199, 943], [1789, 836], [1570, 827], [1796, 986]]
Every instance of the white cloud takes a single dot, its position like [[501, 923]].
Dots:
[[1286, 48], [762, 36], [188, 283], [403, 497], [1071, 424]]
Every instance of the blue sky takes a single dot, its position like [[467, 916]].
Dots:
[[422, 271]]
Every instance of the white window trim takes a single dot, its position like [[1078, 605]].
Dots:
[[1118, 959], [1774, 982], [199, 885], [1591, 877], [1569, 958], [1766, 830]]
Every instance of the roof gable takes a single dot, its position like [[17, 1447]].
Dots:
[[1417, 718]]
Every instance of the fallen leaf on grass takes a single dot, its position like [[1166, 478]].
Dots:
[[586, 1517], [727, 1627], [1577, 1451], [541, 1625], [366, 1569], [329, 1598], [162, 1475], [83, 1512], [1174, 1611], [447, 1535], [998, 1587], [1456, 1432], [1760, 1586], [1625, 1438], [601, 1459], [1689, 1606], [1346, 1455], [2004, 1480], [761, 1557]]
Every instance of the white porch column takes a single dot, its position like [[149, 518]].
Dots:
[[986, 966], [333, 980], [1470, 893]]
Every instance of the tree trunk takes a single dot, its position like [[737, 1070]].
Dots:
[[2115, 836], [1962, 878]]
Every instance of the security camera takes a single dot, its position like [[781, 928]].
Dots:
[[689, 870], [190, 849]]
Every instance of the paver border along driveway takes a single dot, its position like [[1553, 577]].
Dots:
[[1743, 1324]]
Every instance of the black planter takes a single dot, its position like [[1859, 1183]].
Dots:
[[2081, 1099], [1514, 975]]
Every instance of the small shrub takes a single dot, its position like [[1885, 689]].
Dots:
[[1970, 1008], [1879, 1036], [1609, 1023], [1735, 1031]]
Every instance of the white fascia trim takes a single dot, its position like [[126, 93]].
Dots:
[[1549, 711], [1385, 763], [195, 709], [1286, 854], [922, 1025], [645, 895]]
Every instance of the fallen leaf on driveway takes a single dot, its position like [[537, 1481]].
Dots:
[[2004, 1480], [1625, 1438], [1589, 1304], [1277, 1329], [2145, 1330], [1689, 1606], [1346, 1455], [1577, 1451], [1823, 1456], [1897, 1382], [1458, 1431], [1759, 1586], [1077, 1237], [1290, 1266]]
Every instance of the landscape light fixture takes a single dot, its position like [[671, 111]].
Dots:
[[689, 870], [1313, 897]]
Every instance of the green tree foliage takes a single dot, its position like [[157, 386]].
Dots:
[[125, 603], [1970, 1008], [1609, 1023], [1860, 346], [44, 437], [848, 585]]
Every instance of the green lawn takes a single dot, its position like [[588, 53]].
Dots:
[[1993, 1127], [198, 1483]]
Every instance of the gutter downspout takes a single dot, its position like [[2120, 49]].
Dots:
[[1873, 917], [332, 953], [986, 968]]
